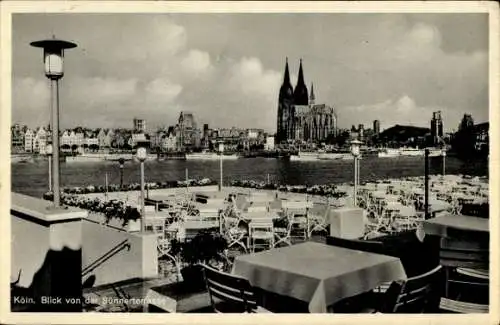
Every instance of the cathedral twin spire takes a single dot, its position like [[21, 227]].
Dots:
[[300, 94], [286, 90]]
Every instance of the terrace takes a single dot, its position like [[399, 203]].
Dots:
[[290, 251]]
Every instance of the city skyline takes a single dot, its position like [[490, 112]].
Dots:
[[396, 68]]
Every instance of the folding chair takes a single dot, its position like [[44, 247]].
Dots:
[[468, 292], [233, 230], [260, 235], [418, 294], [318, 218], [282, 231], [229, 293], [297, 212]]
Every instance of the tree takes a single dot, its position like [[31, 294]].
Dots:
[[94, 147], [74, 147], [464, 140], [341, 139]]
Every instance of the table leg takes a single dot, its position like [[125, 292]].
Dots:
[[446, 278]]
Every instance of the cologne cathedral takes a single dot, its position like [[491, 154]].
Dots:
[[300, 119]]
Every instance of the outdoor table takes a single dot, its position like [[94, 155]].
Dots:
[[393, 206], [382, 186], [371, 186], [257, 206], [481, 200], [463, 240], [210, 205], [317, 274], [391, 198], [418, 191], [346, 222], [436, 205], [189, 228], [209, 210], [439, 226], [259, 216], [379, 194], [261, 199]]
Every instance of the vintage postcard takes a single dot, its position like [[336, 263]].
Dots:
[[201, 158]]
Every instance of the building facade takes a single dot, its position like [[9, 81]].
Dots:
[[40, 141], [139, 125], [17, 139], [482, 140], [436, 127], [376, 127], [299, 117], [28, 140], [187, 134]]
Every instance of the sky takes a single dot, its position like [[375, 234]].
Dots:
[[227, 68]]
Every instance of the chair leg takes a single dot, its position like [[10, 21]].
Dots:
[[446, 278]]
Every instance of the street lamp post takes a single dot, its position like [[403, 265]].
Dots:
[[443, 154], [221, 152], [355, 152], [426, 184], [53, 55], [48, 151], [141, 155], [121, 161]]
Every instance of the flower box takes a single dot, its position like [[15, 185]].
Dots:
[[134, 225]]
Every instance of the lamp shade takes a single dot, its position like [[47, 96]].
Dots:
[[221, 147], [141, 153], [53, 56], [53, 63], [48, 149], [355, 144]]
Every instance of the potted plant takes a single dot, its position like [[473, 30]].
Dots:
[[207, 247], [131, 219]]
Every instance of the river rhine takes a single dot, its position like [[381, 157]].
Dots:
[[32, 178]]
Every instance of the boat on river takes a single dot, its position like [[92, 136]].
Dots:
[[305, 156], [206, 155], [389, 153]]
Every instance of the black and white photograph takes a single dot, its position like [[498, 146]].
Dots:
[[250, 161]]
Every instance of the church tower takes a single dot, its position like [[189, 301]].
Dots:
[[285, 108], [300, 94], [312, 98]]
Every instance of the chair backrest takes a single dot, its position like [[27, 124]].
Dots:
[[296, 205], [208, 216], [229, 293], [216, 201], [468, 291], [357, 244], [260, 198], [465, 249], [262, 226], [414, 295], [257, 208], [320, 209], [241, 202]]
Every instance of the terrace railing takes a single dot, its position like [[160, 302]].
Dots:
[[109, 254]]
